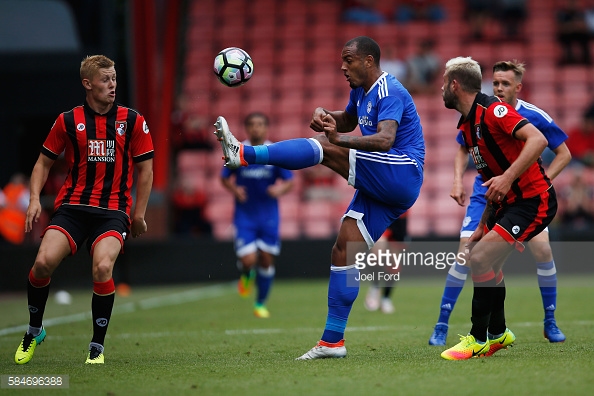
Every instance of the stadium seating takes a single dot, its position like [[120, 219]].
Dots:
[[295, 47]]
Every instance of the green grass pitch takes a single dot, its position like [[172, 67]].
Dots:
[[204, 340]]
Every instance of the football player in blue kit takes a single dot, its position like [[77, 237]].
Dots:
[[256, 189], [507, 84], [384, 165]]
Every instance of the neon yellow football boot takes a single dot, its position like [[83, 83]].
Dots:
[[467, 348], [95, 355], [502, 342], [260, 311], [246, 283], [25, 351]]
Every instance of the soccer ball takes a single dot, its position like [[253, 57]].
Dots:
[[233, 67]]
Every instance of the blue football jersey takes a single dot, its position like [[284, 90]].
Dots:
[[256, 179], [387, 99]]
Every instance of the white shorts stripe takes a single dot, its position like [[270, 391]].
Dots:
[[386, 158], [361, 225]]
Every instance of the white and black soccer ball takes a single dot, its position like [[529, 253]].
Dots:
[[233, 67]]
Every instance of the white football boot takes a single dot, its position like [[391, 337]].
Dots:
[[232, 148], [324, 350]]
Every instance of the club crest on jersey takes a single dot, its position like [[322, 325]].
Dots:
[[80, 127], [500, 111], [121, 127], [479, 135], [369, 106]]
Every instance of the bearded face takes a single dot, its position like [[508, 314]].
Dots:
[[450, 100]]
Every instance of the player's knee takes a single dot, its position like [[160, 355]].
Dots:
[[542, 253], [338, 255], [480, 262], [249, 260], [102, 271], [462, 258], [266, 261], [44, 266]]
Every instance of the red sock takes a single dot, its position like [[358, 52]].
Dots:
[[104, 288], [38, 282]]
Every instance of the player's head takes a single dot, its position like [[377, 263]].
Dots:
[[465, 74], [98, 76], [361, 61], [256, 126], [507, 80], [90, 66]]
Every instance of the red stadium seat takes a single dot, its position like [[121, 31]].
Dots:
[[318, 229], [290, 229]]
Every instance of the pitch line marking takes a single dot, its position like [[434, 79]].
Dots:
[[149, 303]]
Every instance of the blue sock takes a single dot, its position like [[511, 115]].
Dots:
[[289, 154], [454, 283], [343, 289], [547, 282], [264, 278]]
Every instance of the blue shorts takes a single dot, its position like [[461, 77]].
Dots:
[[387, 185], [475, 209], [251, 236]]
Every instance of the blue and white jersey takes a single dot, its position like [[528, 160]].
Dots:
[[256, 179], [387, 99], [543, 122]]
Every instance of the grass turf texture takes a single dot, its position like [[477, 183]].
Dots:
[[204, 340]]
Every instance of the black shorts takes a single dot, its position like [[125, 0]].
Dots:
[[524, 219], [92, 224]]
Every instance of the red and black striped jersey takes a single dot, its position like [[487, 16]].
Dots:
[[100, 150], [488, 133]]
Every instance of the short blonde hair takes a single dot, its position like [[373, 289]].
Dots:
[[90, 66], [466, 71]]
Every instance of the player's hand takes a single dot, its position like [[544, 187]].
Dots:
[[458, 193], [317, 120], [240, 194], [33, 213], [138, 227], [498, 188], [476, 236], [330, 128], [274, 191]]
